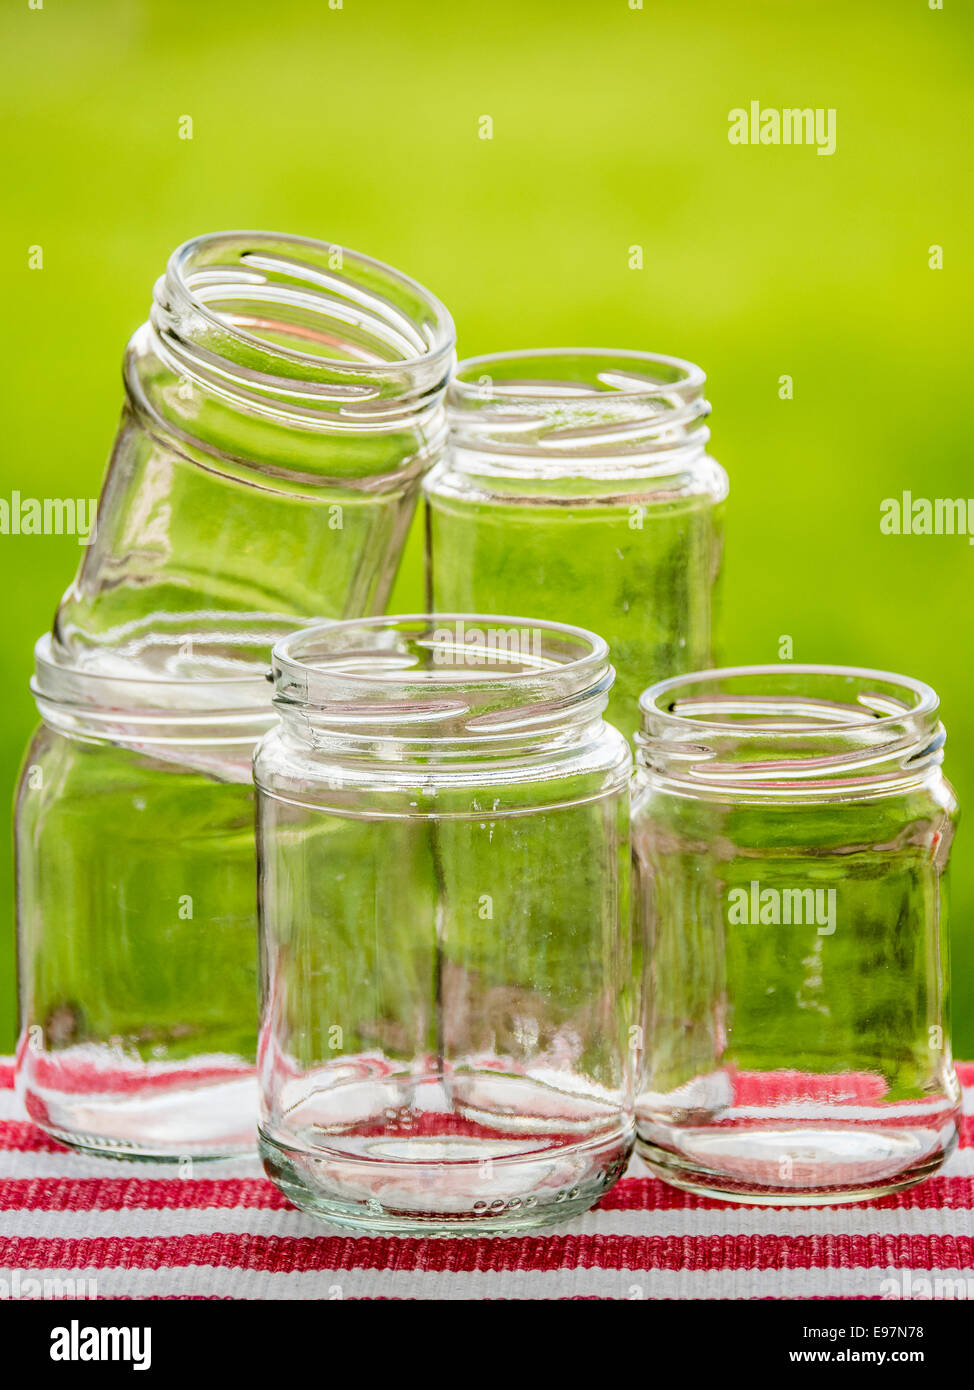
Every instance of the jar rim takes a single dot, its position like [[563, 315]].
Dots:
[[102, 682], [443, 680], [790, 731], [286, 655], [188, 272], [606, 412], [654, 707], [687, 376]]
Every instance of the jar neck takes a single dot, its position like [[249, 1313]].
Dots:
[[763, 733], [444, 688], [299, 360], [573, 412], [221, 707]]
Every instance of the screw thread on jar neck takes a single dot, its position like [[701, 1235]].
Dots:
[[207, 721], [257, 337], [565, 411], [441, 685], [764, 732]]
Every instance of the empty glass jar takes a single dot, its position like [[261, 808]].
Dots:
[[577, 481], [281, 406], [136, 904], [791, 832], [444, 918]]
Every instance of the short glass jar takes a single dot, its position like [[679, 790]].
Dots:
[[281, 405], [444, 925], [136, 903], [577, 481], [791, 832]]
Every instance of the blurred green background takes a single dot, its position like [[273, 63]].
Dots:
[[359, 125]]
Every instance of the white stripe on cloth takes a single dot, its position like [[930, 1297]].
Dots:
[[10, 1106], [725, 1221], [67, 1166]]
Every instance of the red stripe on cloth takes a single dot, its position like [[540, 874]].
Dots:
[[26, 1137], [68, 1075], [6, 1077], [140, 1194], [21, 1136], [844, 1088], [279, 1254], [788, 1086]]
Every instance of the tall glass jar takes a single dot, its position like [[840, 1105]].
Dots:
[[281, 405], [791, 832], [577, 481], [136, 906], [445, 962]]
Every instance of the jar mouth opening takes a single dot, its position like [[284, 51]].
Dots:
[[553, 375], [184, 670], [443, 675], [773, 731], [786, 701], [281, 307], [566, 409], [457, 649]]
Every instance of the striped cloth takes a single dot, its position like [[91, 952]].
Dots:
[[140, 1230]]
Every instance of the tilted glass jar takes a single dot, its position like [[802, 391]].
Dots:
[[791, 832], [577, 481], [136, 904], [444, 919], [281, 406]]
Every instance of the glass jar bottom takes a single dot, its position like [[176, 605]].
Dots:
[[202, 1108], [448, 1185], [433, 1148], [800, 1167]]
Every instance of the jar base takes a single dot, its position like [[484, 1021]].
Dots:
[[158, 1113], [98, 1146], [461, 1196], [782, 1168]]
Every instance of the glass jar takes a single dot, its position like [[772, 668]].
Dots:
[[281, 405], [136, 907], [577, 481], [445, 959], [791, 832]]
